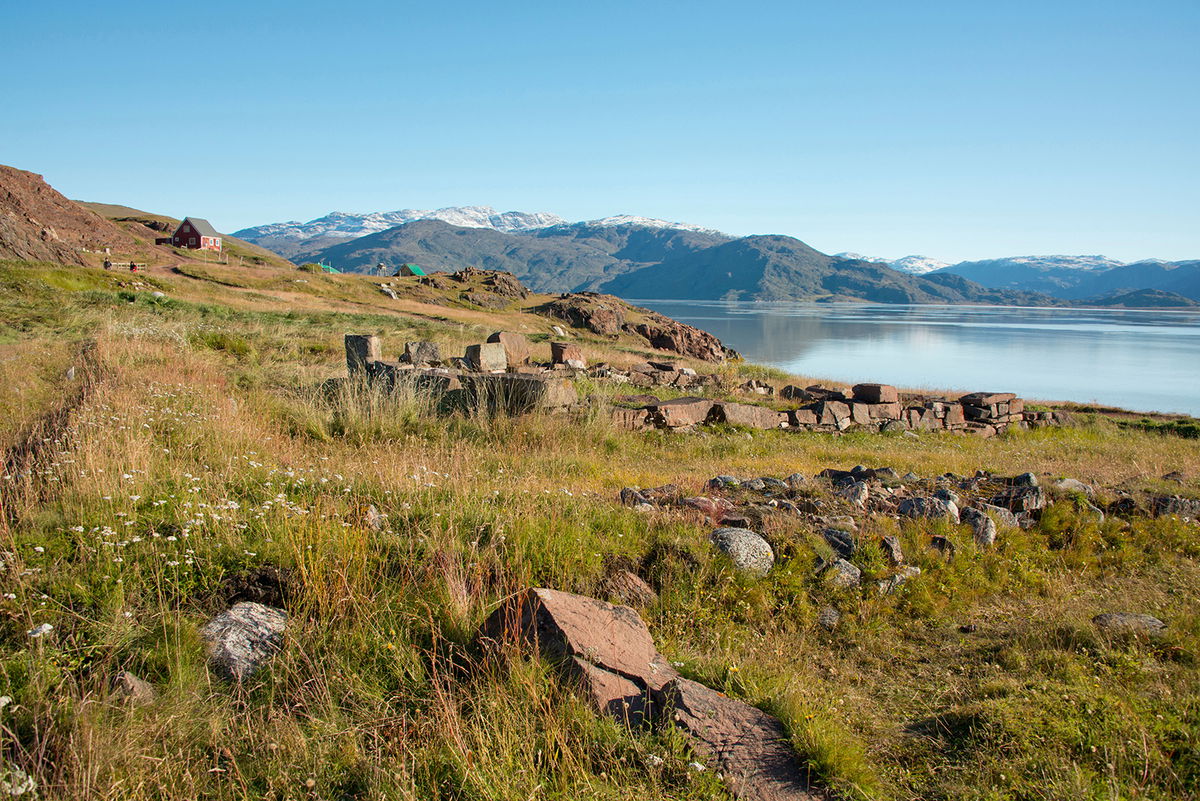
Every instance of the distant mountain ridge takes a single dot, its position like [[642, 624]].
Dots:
[[295, 238], [645, 257]]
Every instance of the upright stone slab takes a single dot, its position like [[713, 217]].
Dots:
[[361, 351], [489, 357], [516, 347]]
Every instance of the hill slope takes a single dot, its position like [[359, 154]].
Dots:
[[784, 268], [39, 224]]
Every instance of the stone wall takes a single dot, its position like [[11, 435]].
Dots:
[[502, 375]]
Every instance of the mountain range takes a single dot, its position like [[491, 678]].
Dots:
[[642, 257]]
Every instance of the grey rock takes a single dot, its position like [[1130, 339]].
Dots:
[[828, 618], [1025, 480], [843, 574], [1128, 623], [748, 551], [1001, 515], [756, 484], [723, 482], [1021, 499], [631, 497], [946, 495], [891, 549], [841, 541], [774, 483], [889, 584], [795, 480], [242, 638], [928, 508], [983, 527], [911, 476], [128, 688], [421, 353], [1070, 486]]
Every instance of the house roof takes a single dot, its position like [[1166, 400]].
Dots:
[[202, 226]]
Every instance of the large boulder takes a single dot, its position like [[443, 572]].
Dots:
[[422, 354], [242, 638], [748, 551], [605, 647]]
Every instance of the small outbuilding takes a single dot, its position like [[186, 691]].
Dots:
[[195, 233], [410, 269]]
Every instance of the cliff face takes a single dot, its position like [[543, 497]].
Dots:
[[39, 224]]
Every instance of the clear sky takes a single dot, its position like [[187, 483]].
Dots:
[[952, 129]]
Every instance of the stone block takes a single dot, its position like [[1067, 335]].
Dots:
[[876, 393], [516, 347], [803, 417], [630, 419], [422, 354], [832, 413], [744, 414], [681, 412], [562, 352], [860, 413], [515, 394], [986, 398], [361, 350], [487, 358], [884, 411]]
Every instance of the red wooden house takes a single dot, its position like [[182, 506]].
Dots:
[[196, 234]]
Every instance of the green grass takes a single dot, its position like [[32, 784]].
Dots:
[[210, 455]]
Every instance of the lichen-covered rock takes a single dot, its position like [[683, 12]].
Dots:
[[844, 574], [242, 638], [1130, 623], [748, 551], [928, 508]]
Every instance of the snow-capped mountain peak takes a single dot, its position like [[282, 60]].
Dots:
[[343, 225], [915, 265], [647, 222]]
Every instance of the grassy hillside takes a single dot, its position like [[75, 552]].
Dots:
[[191, 458]]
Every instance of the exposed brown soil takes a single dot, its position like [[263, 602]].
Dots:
[[39, 224]]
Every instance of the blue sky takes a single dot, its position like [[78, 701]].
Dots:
[[951, 129]]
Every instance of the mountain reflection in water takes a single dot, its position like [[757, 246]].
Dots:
[[1144, 360]]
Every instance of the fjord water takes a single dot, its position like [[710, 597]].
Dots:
[[1141, 360]]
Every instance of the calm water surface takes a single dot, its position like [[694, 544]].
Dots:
[[1144, 360]]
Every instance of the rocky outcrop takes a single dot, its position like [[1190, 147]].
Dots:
[[39, 224], [608, 316]]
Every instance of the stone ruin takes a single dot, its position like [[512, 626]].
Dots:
[[496, 376], [500, 375], [877, 407]]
